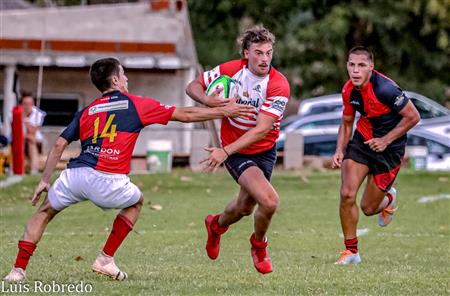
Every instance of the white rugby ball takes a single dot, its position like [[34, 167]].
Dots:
[[227, 85]]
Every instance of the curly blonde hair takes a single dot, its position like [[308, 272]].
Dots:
[[256, 34]]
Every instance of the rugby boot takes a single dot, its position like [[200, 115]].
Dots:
[[261, 259], [347, 257], [387, 214], [214, 233], [105, 265], [16, 274]]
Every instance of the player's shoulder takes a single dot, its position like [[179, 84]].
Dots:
[[91, 106], [138, 99], [278, 80], [348, 85], [127, 95], [347, 89], [232, 67], [383, 86], [277, 76]]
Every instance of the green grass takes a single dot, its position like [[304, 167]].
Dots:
[[165, 254]]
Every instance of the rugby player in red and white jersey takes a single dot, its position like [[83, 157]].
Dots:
[[108, 129], [248, 142]]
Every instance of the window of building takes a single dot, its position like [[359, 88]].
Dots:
[[60, 108]]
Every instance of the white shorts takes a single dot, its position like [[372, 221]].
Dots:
[[108, 191]]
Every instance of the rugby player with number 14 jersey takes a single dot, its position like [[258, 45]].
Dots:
[[107, 129]]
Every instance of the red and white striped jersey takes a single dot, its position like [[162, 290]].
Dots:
[[269, 95]]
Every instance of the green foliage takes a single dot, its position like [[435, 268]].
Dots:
[[164, 255], [409, 38]]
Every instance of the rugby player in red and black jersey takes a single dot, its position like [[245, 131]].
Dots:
[[376, 149], [107, 129], [248, 142]]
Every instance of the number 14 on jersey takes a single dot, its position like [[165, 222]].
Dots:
[[109, 130]]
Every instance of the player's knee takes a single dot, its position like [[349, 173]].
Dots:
[[368, 210], [348, 195], [270, 203], [140, 202]]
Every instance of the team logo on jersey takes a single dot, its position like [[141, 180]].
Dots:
[[279, 104], [165, 106], [251, 102], [257, 88], [246, 94], [399, 100], [106, 107]]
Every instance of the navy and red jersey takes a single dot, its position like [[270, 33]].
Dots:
[[379, 103], [109, 127]]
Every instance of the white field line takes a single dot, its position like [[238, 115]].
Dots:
[[10, 181], [433, 198]]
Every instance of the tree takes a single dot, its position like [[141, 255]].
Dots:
[[409, 38]]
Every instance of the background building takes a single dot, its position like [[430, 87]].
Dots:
[[48, 51]]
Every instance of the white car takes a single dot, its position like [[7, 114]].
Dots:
[[436, 148], [319, 122], [322, 104], [331, 103], [432, 150], [434, 117]]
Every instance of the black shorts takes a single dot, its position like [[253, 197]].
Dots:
[[383, 166], [237, 163]]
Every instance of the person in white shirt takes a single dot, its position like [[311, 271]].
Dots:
[[33, 118]]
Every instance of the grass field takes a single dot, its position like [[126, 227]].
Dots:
[[165, 254]]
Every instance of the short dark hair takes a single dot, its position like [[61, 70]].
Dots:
[[102, 71], [26, 94], [361, 50], [255, 34]]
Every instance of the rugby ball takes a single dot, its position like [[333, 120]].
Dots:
[[227, 85]]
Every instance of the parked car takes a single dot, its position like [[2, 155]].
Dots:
[[319, 141], [312, 113], [437, 125], [322, 142], [323, 123], [317, 105], [427, 108], [437, 147]]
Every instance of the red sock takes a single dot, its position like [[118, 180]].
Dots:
[[121, 227], [216, 227], [26, 250], [352, 245]]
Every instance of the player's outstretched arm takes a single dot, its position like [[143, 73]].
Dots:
[[196, 91], [53, 157], [193, 114]]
